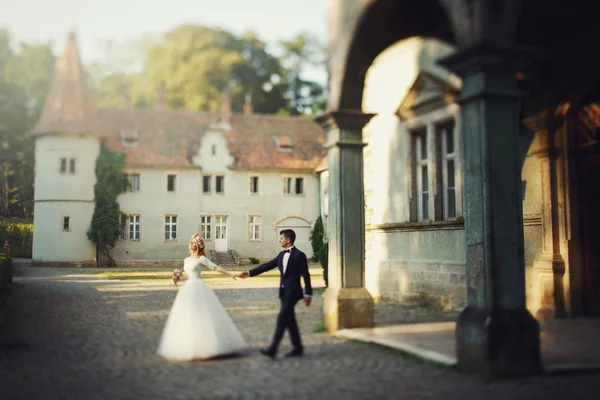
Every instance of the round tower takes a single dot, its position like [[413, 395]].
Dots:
[[66, 148]]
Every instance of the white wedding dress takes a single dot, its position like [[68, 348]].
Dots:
[[198, 327]]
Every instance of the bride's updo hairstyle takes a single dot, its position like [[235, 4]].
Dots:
[[201, 245]]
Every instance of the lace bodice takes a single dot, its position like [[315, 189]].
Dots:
[[193, 266]]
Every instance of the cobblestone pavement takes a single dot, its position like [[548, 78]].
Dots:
[[72, 335]]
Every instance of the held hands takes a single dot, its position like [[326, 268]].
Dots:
[[242, 275], [307, 300]]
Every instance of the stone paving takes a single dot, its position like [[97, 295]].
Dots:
[[72, 335]]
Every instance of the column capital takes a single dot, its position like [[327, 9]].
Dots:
[[488, 59], [344, 119]]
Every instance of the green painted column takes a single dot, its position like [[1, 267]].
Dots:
[[495, 334], [346, 302]]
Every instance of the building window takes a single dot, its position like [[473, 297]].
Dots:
[[447, 158], [422, 174], [171, 183], [72, 166], [206, 184], [206, 227], [434, 192], [214, 150], [293, 186], [254, 184], [220, 184], [63, 165], [66, 224], [283, 143], [170, 227], [134, 227], [299, 185], [134, 183], [254, 227]]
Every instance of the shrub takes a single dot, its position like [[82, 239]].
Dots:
[[320, 247], [6, 271], [19, 238], [254, 260]]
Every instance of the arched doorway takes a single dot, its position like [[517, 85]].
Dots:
[[301, 227]]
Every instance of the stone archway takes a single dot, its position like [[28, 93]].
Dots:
[[495, 334]]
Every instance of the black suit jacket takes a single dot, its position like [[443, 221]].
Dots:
[[289, 284]]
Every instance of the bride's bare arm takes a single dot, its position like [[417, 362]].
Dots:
[[223, 271], [209, 264]]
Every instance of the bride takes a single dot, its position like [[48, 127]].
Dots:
[[198, 327]]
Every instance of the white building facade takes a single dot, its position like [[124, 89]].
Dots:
[[238, 179]]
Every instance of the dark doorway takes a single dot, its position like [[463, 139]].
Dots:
[[587, 151]]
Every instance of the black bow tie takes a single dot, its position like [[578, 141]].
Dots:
[[287, 251]]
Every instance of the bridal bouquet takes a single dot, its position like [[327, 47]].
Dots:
[[176, 277]]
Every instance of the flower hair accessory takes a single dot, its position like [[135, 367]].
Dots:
[[198, 238]]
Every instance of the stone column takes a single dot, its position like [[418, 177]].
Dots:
[[346, 302], [495, 334]]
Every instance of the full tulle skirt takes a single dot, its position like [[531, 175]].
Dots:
[[198, 327]]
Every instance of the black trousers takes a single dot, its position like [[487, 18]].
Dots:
[[287, 320]]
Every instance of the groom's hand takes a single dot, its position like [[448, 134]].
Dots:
[[243, 275], [307, 300]]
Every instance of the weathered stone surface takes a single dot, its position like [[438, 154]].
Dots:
[[345, 308]]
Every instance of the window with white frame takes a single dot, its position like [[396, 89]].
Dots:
[[220, 184], [421, 168], [171, 183], [434, 193], [293, 186], [206, 226], [170, 227], [134, 183], [447, 167], [63, 165], [206, 184], [72, 166], [254, 184], [254, 227], [129, 227], [66, 223]]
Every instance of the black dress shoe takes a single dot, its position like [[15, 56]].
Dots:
[[267, 353], [295, 353]]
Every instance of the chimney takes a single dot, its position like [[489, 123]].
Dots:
[[248, 108], [161, 101], [226, 109]]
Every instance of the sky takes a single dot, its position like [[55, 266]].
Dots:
[[97, 22]]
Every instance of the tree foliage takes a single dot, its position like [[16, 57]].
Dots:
[[110, 182], [195, 65], [320, 247], [24, 79]]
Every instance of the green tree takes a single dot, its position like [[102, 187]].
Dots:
[[303, 51], [196, 64], [318, 241], [111, 181], [24, 80]]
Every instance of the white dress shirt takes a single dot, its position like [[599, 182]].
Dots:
[[286, 258]]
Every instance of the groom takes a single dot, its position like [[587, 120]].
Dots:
[[292, 264]]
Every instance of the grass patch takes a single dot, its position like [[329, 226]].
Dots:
[[319, 328], [165, 276]]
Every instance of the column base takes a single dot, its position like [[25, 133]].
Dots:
[[346, 308], [499, 343]]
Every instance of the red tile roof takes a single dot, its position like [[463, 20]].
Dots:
[[172, 137]]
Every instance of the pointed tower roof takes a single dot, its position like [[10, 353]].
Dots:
[[70, 106]]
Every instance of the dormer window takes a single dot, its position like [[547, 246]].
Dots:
[[283, 143], [129, 137]]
